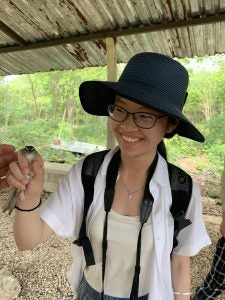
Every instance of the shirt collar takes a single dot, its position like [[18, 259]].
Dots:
[[161, 169]]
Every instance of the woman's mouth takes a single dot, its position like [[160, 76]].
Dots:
[[130, 139]]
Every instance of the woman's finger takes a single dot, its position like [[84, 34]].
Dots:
[[7, 158], [3, 171], [3, 183], [6, 148], [16, 175], [23, 163]]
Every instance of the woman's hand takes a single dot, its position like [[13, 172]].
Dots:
[[27, 177], [7, 155]]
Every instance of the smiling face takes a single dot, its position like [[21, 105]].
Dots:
[[133, 140]]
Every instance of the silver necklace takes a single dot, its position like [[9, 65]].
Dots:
[[130, 194]]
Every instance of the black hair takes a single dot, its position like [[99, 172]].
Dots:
[[161, 148], [172, 121]]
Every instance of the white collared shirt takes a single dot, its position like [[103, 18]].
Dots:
[[64, 210]]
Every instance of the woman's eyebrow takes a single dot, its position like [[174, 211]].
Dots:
[[140, 107], [120, 101]]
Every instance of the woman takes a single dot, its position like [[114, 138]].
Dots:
[[144, 106]]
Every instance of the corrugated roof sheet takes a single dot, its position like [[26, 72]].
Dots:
[[178, 28]]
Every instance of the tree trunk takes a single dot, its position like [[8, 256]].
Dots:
[[34, 95]]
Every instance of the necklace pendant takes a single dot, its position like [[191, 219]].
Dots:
[[129, 196]]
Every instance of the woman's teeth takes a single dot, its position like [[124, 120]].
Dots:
[[130, 140]]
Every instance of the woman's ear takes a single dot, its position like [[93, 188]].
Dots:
[[173, 123]]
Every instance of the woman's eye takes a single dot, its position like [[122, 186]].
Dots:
[[118, 110], [145, 116]]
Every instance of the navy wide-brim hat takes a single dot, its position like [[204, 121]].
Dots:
[[150, 79]]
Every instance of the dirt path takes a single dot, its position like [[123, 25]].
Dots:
[[212, 219]]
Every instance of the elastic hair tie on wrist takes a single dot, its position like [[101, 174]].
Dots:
[[21, 209]]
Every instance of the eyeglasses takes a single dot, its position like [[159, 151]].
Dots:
[[141, 119]]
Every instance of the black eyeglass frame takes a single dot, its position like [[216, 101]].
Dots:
[[155, 117]]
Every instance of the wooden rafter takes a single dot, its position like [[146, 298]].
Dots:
[[102, 35]]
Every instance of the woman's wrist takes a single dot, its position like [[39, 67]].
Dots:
[[28, 205], [28, 209], [182, 295]]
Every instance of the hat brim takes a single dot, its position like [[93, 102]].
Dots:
[[96, 96]]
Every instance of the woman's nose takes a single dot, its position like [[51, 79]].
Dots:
[[129, 122]]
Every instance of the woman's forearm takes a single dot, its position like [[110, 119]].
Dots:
[[181, 277], [29, 229]]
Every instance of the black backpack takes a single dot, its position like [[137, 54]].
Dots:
[[181, 189]]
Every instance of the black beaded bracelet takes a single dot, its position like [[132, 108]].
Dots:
[[29, 209]]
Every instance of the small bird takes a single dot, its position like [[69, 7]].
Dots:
[[30, 153]]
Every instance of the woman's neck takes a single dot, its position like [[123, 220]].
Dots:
[[136, 165]]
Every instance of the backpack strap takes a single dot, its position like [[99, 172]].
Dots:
[[181, 189], [89, 171]]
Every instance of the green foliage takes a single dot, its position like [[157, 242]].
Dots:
[[200, 165], [215, 194], [178, 146], [92, 131], [214, 129], [39, 108], [216, 155]]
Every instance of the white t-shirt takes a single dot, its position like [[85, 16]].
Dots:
[[121, 254], [64, 210]]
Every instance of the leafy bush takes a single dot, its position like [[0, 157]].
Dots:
[[214, 194], [39, 108]]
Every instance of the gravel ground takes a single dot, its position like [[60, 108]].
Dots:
[[42, 272]]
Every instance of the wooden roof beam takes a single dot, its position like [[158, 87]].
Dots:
[[12, 34], [115, 33]]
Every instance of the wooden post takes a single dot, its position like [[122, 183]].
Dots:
[[111, 76]]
